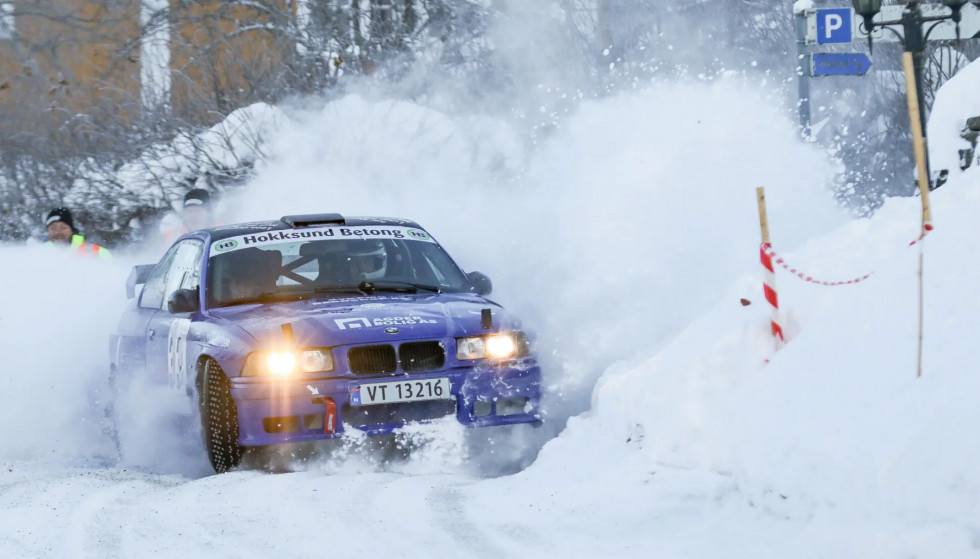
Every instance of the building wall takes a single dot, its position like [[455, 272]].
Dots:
[[226, 53], [83, 56], [71, 55]]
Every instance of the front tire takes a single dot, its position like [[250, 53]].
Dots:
[[219, 419]]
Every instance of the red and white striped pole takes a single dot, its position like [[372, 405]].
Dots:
[[769, 282]]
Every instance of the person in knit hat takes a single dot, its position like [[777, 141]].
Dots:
[[61, 231], [197, 210], [59, 226]]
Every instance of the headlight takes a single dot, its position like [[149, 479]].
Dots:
[[281, 363], [494, 346], [287, 363], [500, 346]]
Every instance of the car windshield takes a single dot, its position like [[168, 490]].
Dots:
[[275, 271]]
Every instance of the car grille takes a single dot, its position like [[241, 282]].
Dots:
[[399, 414], [380, 359], [372, 359], [422, 356]]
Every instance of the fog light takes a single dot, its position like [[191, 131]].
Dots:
[[482, 408], [513, 406]]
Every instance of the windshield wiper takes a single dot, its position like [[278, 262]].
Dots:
[[396, 287], [337, 289], [264, 297]]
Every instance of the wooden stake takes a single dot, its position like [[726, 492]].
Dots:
[[919, 146], [918, 372], [918, 140], [760, 194]]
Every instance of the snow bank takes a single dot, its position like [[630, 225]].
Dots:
[[232, 145], [836, 433], [956, 101]]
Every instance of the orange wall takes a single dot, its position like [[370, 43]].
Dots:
[[218, 61], [72, 55], [83, 56]]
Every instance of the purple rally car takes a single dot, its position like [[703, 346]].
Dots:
[[299, 329]]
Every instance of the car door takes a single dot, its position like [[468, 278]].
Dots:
[[166, 333], [131, 350], [128, 344]]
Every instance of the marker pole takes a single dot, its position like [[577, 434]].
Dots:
[[769, 283], [922, 164]]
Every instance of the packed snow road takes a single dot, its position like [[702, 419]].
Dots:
[[54, 511]]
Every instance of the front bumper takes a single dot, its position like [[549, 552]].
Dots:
[[273, 412]]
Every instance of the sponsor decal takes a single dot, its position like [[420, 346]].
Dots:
[[402, 321], [225, 245], [177, 353], [315, 233], [351, 323], [362, 322]]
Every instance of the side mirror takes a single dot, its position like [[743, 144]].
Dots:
[[480, 282], [183, 301], [137, 276]]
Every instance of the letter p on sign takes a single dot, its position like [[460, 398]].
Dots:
[[834, 26]]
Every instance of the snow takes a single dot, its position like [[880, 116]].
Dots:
[[955, 102], [802, 6], [232, 144], [626, 239]]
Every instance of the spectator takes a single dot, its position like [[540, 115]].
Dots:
[[197, 210], [61, 232], [195, 214]]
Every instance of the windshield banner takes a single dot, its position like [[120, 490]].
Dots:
[[319, 233]]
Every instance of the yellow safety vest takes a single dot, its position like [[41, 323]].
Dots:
[[78, 243]]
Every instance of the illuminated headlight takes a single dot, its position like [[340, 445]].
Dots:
[[501, 345], [494, 346], [287, 363]]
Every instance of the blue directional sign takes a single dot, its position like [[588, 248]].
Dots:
[[834, 26], [839, 64]]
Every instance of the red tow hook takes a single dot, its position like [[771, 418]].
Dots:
[[330, 419]]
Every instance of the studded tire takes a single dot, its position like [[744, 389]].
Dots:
[[219, 419]]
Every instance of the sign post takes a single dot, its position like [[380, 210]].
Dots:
[[802, 76]]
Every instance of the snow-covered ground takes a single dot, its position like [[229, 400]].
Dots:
[[627, 241]]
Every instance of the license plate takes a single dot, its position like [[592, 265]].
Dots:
[[400, 391]]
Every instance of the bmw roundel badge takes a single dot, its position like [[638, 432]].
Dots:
[[391, 330]]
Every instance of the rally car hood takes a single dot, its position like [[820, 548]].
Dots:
[[367, 319]]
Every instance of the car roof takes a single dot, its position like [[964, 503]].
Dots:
[[300, 221]]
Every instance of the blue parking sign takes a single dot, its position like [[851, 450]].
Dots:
[[834, 26]]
